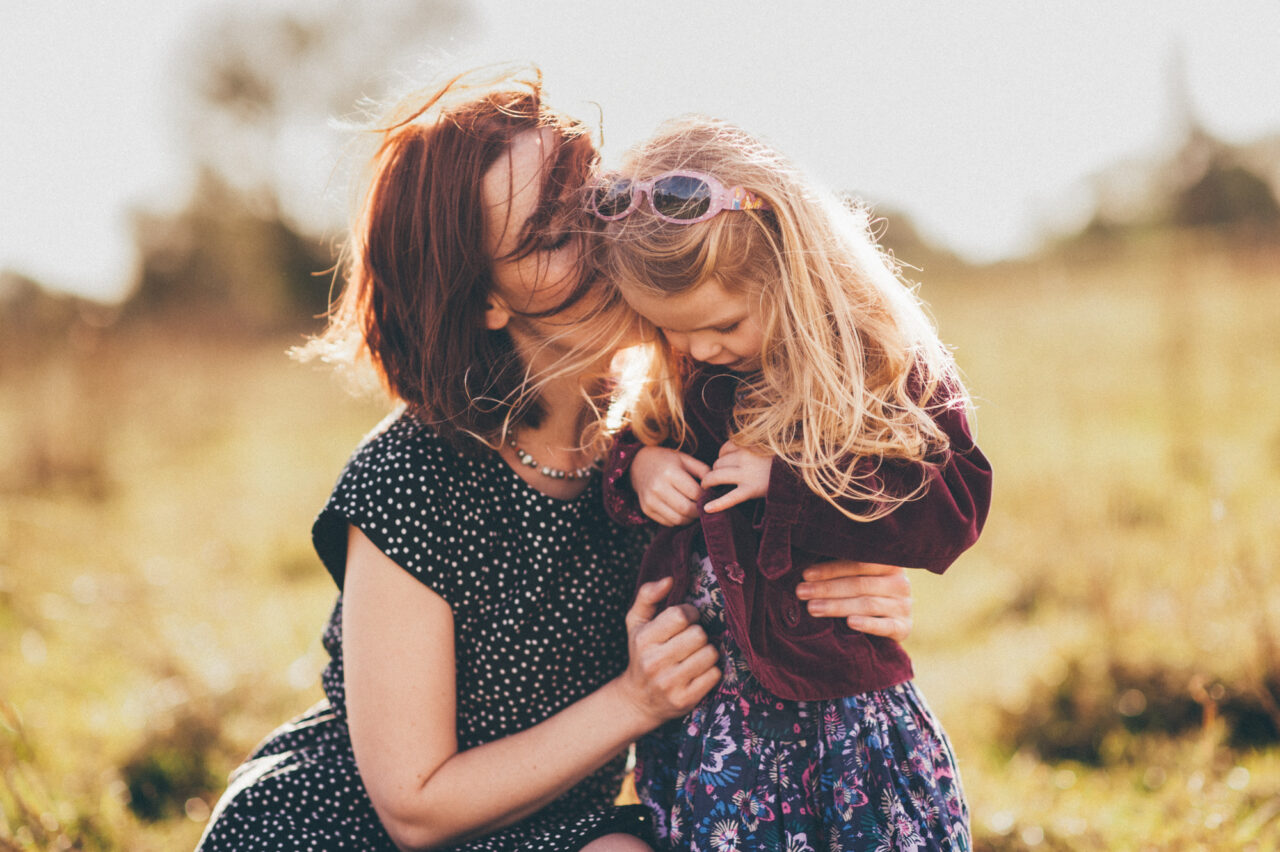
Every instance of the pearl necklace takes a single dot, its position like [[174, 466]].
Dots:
[[548, 471]]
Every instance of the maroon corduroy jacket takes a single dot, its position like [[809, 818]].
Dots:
[[759, 549]]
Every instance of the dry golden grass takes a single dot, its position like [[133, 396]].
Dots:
[[160, 606]]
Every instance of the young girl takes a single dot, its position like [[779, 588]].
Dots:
[[801, 373]]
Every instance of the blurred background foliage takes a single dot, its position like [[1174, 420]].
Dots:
[[1107, 659]]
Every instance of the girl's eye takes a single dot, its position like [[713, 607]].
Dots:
[[728, 329]]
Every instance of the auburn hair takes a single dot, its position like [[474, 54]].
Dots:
[[417, 272]]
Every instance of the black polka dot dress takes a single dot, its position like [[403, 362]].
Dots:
[[538, 587]]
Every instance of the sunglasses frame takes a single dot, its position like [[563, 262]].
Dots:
[[722, 197]]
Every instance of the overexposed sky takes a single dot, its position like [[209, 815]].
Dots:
[[979, 119]]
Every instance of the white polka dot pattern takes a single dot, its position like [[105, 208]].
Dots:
[[538, 587]]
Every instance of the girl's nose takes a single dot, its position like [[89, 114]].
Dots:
[[702, 349], [679, 341]]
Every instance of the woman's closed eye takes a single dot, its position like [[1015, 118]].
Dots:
[[555, 242], [728, 329]]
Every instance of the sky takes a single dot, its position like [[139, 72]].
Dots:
[[982, 120]]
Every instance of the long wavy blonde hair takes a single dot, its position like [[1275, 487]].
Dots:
[[851, 366]]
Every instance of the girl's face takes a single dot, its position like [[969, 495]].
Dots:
[[708, 323]]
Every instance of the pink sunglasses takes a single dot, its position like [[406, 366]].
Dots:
[[681, 197]]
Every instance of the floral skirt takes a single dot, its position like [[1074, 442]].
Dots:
[[747, 770]]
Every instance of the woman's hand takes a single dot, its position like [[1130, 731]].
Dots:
[[672, 665], [398, 645], [667, 485], [873, 598], [742, 468]]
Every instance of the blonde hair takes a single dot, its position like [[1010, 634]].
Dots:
[[851, 367]]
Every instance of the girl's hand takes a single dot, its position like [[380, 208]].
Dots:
[[672, 665], [736, 466], [667, 485], [873, 598]]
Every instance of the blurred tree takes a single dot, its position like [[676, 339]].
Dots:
[[1227, 194], [268, 88], [898, 234], [228, 258], [36, 321], [1205, 183], [1202, 182]]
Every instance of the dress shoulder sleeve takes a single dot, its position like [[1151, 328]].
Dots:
[[406, 491]]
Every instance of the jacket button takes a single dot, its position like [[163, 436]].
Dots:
[[734, 570], [791, 613]]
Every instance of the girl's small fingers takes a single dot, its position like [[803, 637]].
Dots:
[[693, 466], [733, 498], [719, 476], [680, 508], [687, 487], [657, 513]]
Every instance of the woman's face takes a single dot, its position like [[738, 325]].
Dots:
[[511, 191]]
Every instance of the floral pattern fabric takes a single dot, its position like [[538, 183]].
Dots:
[[747, 770]]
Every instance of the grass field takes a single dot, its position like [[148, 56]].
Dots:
[[1107, 659]]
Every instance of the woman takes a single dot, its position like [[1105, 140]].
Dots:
[[483, 685]]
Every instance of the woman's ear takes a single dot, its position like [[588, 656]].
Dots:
[[496, 313]]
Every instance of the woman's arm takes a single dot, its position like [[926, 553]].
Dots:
[[401, 704]]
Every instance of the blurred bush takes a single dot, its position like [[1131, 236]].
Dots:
[[1204, 183], [228, 258], [1099, 710], [174, 764]]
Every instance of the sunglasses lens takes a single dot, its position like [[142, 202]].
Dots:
[[681, 197], [611, 199]]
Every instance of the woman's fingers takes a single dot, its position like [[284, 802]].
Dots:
[[850, 568], [667, 624], [872, 598], [897, 629], [673, 662], [845, 579], [649, 598], [861, 605]]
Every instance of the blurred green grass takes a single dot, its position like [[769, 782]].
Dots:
[[160, 608]]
